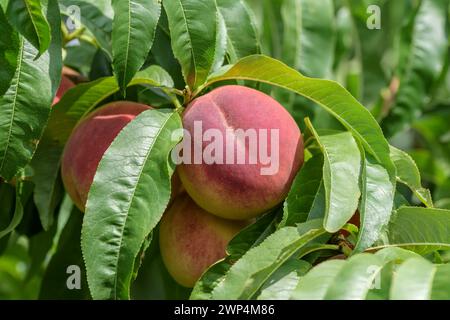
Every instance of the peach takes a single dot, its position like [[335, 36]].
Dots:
[[89, 141], [64, 86], [233, 190], [192, 239]]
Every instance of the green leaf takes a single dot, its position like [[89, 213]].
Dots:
[[241, 29], [252, 235], [7, 210], [309, 36], [409, 175], [419, 279], [23, 194], [342, 162], [428, 47], [327, 94], [441, 289], [350, 279], [39, 247], [314, 285], [48, 197], [130, 192], [27, 102], [422, 230], [25, 109], [48, 190], [376, 205], [357, 273], [248, 274], [96, 16], [284, 280], [195, 36], [66, 265], [304, 192], [75, 104], [9, 50], [133, 33], [27, 16], [248, 238], [205, 285]]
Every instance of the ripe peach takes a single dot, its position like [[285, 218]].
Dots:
[[192, 239], [89, 141], [233, 190]]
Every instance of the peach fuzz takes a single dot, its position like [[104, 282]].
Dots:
[[239, 191]]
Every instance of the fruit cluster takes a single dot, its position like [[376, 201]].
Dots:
[[211, 202]]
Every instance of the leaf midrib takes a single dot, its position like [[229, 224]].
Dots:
[[19, 73], [162, 127]]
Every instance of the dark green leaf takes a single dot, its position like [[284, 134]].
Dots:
[[9, 50], [195, 36], [26, 104], [133, 33], [66, 266], [23, 194], [27, 16], [303, 192]]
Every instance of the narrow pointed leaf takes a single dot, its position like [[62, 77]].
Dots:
[[57, 275], [47, 198], [409, 175], [342, 162], [303, 192], [27, 102], [28, 17], [133, 33], [130, 192], [9, 50], [419, 279], [194, 37], [376, 205], [422, 230]]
